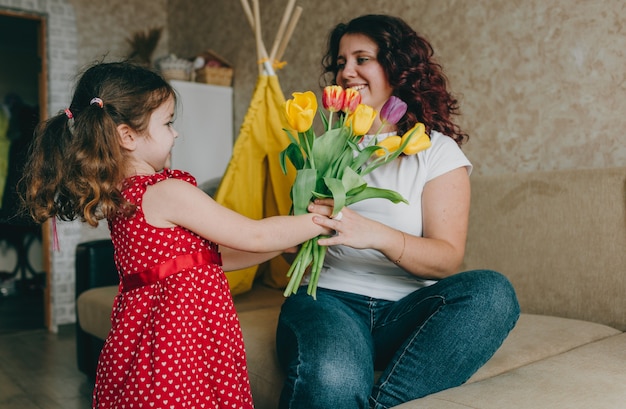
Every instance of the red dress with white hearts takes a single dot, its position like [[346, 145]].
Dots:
[[175, 340]]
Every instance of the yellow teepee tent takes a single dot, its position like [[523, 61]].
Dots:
[[254, 184]]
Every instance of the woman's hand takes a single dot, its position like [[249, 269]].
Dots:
[[349, 227]]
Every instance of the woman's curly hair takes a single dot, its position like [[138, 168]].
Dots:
[[76, 164], [415, 76]]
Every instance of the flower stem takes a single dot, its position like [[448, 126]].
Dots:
[[309, 149], [298, 267], [319, 252]]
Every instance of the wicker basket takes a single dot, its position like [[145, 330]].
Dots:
[[171, 74], [215, 75], [174, 68]]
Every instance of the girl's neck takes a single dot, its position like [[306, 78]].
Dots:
[[141, 170]]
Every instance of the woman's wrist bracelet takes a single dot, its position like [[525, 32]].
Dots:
[[397, 262]]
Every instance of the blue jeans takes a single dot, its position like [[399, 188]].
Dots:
[[433, 339]]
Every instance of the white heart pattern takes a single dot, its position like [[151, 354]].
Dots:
[[175, 343]]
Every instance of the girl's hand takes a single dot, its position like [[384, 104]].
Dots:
[[323, 207], [349, 228]]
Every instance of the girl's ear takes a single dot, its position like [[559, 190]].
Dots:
[[128, 137]]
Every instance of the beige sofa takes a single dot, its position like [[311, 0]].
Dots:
[[560, 237]]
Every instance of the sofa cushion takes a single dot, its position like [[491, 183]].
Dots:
[[94, 306], [260, 297], [591, 376], [558, 236], [534, 338]]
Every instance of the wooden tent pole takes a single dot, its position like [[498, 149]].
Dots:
[[248, 12], [257, 33], [281, 29], [285, 31], [290, 29], [254, 20]]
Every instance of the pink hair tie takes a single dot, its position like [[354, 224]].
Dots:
[[68, 113], [55, 236], [96, 100]]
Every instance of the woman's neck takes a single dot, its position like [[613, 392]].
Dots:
[[387, 128]]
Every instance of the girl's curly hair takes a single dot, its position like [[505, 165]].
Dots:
[[407, 59]]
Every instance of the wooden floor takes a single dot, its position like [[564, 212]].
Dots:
[[38, 368]]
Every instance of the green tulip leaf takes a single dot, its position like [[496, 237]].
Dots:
[[302, 189], [326, 148], [339, 166], [352, 180], [374, 192], [338, 193], [294, 154], [292, 138]]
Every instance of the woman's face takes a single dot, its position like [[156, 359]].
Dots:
[[358, 68]]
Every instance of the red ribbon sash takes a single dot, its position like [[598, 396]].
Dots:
[[173, 266]]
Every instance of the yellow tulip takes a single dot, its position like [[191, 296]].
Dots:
[[419, 139], [392, 143], [361, 119], [301, 110]]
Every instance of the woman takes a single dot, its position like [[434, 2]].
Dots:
[[390, 297]]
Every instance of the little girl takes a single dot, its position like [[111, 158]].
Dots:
[[175, 340]]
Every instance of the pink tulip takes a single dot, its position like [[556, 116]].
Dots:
[[393, 110]]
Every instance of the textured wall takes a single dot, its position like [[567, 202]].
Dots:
[[105, 26], [542, 84]]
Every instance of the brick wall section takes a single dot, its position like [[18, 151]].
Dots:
[[61, 39]]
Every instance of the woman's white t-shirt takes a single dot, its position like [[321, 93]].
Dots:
[[368, 272]]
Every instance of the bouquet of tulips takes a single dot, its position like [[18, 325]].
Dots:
[[332, 165]]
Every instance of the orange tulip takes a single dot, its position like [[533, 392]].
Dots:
[[352, 101], [333, 98]]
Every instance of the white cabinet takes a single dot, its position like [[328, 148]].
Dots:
[[204, 120]]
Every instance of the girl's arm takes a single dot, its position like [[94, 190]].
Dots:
[[236, 259], [176, 202], [438, 254]]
